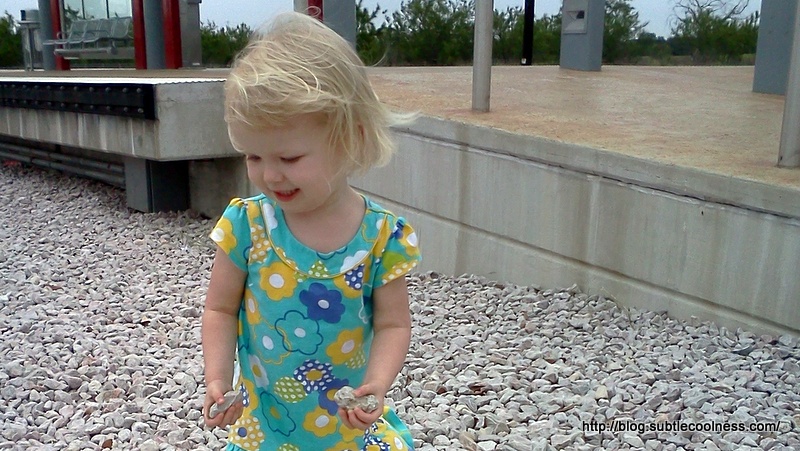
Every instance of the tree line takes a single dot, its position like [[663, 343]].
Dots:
[[440, 32]]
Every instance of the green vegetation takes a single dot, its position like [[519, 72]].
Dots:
[[10, 42], [440, 32]]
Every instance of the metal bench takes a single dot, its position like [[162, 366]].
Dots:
[[96, 38]]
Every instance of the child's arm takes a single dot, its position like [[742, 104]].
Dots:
[[392, 327], [219, 332]]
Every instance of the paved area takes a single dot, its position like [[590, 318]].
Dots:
[[705, 118]]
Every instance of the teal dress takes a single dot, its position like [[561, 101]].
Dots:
[[305, 327]]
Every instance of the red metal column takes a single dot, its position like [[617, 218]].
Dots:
[[139, 41], [172, 34], [55, 18], [315, 8]]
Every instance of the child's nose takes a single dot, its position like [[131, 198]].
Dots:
[[271, 174]]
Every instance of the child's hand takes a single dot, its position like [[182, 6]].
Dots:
[[215, 394], [357, 418]]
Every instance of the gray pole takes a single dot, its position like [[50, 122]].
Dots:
[[46, 30], [482, 56], [154, 34], [789, 154], [340, 16]]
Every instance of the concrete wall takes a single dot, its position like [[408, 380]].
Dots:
[[538, 212], [189, 126]]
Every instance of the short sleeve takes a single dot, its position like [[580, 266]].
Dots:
[[400, 255], [232, 233]]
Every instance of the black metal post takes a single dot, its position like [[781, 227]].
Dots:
[[527, 34]]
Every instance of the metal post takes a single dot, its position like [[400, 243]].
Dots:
[[789, 154], [340, 16], [46, 30], [482, 56], [527, 33], [154, 34]]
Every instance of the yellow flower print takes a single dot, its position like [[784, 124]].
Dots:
[[349, 435], [278, 281], [410, 241], [251, 307], [393, 438], [320, 423], [246, 433], [344, 446], [347, 345], [223, 235]]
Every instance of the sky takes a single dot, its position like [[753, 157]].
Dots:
[[659, 13]]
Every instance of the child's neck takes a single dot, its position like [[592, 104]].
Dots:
[[330, 228]]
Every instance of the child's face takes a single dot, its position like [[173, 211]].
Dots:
[[292, 164]]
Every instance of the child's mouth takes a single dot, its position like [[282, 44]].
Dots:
[[285, 196]]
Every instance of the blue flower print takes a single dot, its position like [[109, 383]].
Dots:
[[276, 414], [397, 232], [326, 400], [245, 395], [354, 277], [314, 375], [373, 443], [322, 304], [300, 334]]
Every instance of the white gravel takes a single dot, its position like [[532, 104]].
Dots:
[[99, 343]]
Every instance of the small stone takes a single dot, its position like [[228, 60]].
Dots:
[[345, 398]]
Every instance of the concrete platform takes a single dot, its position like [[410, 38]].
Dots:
[[656, 186]]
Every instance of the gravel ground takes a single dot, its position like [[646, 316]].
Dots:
[[100, 348]]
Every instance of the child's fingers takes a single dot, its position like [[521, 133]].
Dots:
[[232, 414]]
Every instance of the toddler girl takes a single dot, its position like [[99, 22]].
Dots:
[[308, 290]]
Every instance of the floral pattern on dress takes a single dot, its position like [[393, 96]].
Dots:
[[314, 375], [322, 303], [276, 414], [346, 346], [290, 390], [247, 434], [299, 333], [259, 373], [278, 281], [223, 235], [320, 422]]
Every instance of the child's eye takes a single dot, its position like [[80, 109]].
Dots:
[[253, 158], [290, 159]]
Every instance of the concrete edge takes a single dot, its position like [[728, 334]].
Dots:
[[683, 181]]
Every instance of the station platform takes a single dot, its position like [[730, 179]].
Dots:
[[706, 118], [656, 186]]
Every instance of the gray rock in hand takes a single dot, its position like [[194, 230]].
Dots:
[[230, 398], [347, 400]]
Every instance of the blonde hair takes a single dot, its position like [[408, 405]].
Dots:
[[298, 66]]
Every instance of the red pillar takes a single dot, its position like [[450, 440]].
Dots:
[[315, 8], [139, 41], [172, 34], [55, 15]]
